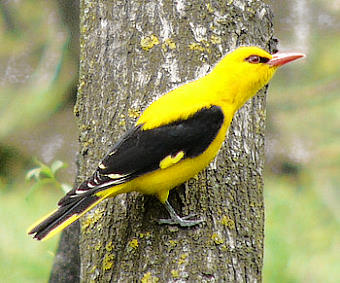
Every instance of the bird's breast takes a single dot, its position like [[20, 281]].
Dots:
[[170, 177]]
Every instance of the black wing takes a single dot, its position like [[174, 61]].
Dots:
[[141, 151]]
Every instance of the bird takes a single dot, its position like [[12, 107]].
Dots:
[[174, 139]]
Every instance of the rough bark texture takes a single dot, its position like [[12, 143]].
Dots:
[[66, 266], [131, 52]]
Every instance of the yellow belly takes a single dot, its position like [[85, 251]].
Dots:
[[161, 181]]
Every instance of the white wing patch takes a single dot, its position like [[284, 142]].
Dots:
[[116, 176], [90, 185]]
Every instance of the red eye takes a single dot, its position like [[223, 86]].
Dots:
[[254, 59]]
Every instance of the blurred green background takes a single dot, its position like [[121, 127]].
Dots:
[[38, 78]]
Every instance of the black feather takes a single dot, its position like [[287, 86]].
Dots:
[[62, 214], [140, 151]]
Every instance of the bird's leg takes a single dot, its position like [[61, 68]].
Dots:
[[176, 219]]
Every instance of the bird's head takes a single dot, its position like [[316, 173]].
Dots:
[[247, 69]]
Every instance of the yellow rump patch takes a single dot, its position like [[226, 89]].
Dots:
[[171, 160]]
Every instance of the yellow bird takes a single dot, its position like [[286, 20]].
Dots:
[[176, 137]]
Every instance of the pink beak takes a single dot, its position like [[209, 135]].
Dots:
[[282, 58]]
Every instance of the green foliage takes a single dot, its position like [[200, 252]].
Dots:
[[46, 175], [21, 258], [302, 233]]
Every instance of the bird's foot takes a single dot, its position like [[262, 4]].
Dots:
[[175, 219], [181, 221]]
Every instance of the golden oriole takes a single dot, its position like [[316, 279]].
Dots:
[[176, 137]]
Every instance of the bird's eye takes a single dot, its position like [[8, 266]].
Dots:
[[253, 59]]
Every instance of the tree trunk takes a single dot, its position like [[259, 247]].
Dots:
[[66, 266], [131, 52]]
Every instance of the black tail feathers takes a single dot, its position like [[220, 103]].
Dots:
[[68, 212]]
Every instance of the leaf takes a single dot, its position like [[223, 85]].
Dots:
[[44, 175], [44, 169], [33, 173], [56, 165]]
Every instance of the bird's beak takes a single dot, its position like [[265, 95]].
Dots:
[[282, 58]]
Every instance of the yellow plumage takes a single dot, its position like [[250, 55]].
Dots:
[[176, 137], [223, 87]]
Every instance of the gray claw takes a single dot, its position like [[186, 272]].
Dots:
[[184, 221], [180, 221]]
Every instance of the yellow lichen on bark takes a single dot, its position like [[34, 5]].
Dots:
[[148, 278], [108, 261], [148, 42]]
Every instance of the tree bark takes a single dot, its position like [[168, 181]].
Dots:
[[66, 266], [131, 52]]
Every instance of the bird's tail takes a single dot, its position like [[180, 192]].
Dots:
[[69, 210]]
